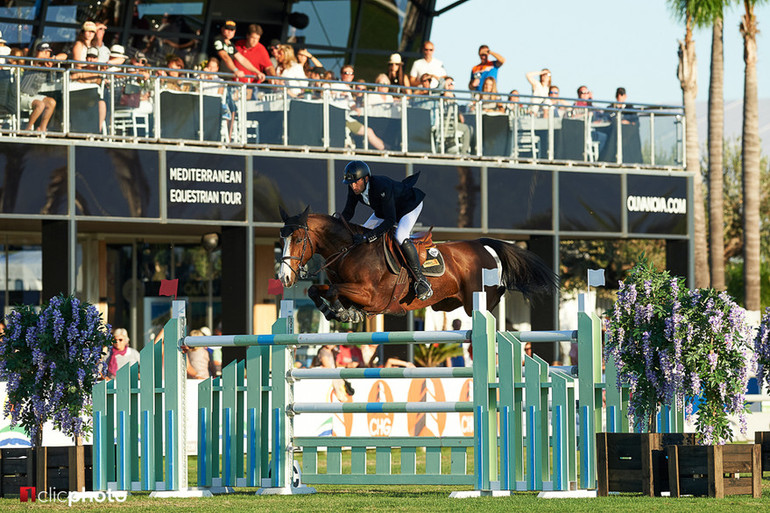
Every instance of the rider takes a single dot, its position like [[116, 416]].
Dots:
[[395, 204]]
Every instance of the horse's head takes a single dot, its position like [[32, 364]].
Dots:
[[297, 246]]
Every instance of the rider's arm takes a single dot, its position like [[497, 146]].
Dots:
[[350, 205]]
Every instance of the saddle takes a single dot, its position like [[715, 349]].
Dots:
[[431, 260]]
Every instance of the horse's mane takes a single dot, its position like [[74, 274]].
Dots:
[[337, 223]]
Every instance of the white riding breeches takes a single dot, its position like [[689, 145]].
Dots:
[[404, 226]]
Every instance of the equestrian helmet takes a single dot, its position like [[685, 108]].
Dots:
[[354, 171]]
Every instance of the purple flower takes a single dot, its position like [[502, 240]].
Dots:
[[712, 358]]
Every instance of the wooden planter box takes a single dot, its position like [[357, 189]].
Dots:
[[635, 462], [762, 438], [700, 470], [51, 468]]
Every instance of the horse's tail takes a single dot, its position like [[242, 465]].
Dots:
[[522, 270]]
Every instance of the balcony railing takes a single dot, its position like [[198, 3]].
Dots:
[[139, 105]]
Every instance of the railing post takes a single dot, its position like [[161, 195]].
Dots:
[[652, 138], [404, 122]]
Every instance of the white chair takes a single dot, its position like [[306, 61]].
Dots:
[[524, 138], [131, 122], [454, 136]]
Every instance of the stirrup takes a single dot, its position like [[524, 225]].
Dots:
[[427, 290]]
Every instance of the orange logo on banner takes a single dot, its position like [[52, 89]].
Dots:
[[466, 418], [337, 394], [380, 424], [426, 424]]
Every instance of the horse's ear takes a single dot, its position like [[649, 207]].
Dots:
[[304, 214], [284, 215]]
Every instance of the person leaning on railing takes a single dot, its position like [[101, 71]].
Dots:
[[173, 82]]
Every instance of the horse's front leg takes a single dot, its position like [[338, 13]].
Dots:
[[318, 294], [357, 295]]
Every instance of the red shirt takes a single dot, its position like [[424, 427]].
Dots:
[[348, 354], [256, 55]]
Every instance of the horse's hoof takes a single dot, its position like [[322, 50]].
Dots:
[[356, 316]]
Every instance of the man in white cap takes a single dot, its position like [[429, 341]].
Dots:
[[427, 65]]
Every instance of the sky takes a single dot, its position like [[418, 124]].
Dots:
[[599, 43]]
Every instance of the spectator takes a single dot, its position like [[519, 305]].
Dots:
[[456, 361], [396, 74], [98, 43], [197, 359], [224, 50], [305, 59], [489, 97], [424, 83], [541, 84], [344, 90], [4, 49], [433, 67], [40, 107], [173, 83], [329, 75], [584, 100], [554, 103], [326, 357], [273, 51], [83, 42], [380, 95], [485, 68], [120, 353], [288, 67], [350, 357], [252, 50], [628, 117], [514, 105]]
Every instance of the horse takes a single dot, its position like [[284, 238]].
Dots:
[[361, 284]]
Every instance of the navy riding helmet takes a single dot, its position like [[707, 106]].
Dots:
[[354, 171]]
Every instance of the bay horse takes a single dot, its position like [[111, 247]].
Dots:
[[361, 283]]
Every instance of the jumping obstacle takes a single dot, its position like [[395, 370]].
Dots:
[[532, 423]]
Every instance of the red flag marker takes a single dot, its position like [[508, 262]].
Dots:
[[274, 287], [169, 287]]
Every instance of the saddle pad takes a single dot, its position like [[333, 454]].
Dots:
[[432, 260]]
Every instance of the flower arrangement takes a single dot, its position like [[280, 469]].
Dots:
[[680, 347], [51, 361]]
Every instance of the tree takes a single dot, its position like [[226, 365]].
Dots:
[[693, 12], [716, 122], [750, 157]]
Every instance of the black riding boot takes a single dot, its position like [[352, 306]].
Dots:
[[422, 288]]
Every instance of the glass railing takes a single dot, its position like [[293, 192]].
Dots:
[[142, 104]]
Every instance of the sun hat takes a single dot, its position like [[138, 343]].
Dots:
[[92, 52], [395, 59], [117, 51], [89, 26]]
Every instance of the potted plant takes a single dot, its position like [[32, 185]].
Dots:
[[680, 347], [51, 359]]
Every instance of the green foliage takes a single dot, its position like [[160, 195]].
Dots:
[[615, 256], [433, 355], [734, 279]]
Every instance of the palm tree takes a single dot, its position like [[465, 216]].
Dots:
[[716, 126], [750, 153], [692, 13]]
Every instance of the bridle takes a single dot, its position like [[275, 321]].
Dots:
[[300, 272]]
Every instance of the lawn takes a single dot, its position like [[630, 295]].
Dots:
[[340, 498]]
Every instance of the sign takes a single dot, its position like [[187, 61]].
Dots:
[[657, 204], [203, 186]]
